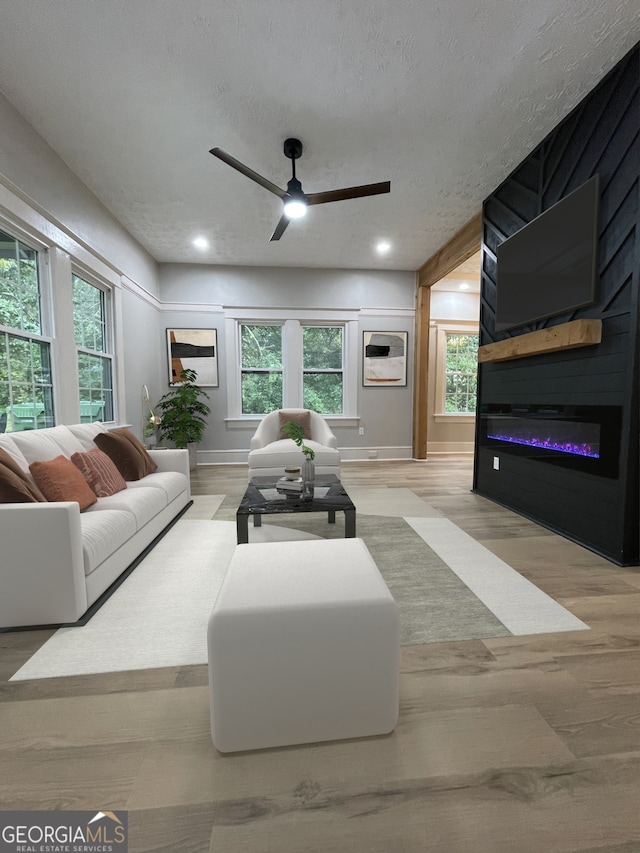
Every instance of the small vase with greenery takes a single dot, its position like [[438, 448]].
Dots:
[[151, 425], [295, 432], [184, 411]]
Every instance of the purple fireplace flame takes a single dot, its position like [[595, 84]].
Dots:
[[561, 436]]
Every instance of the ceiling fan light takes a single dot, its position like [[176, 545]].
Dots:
[[295, 208]]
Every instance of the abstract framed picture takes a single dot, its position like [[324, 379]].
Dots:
[[384, 359], [193, 349]]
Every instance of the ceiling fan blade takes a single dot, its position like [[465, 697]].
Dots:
[[249, 173], [349, 192], [280, 228]]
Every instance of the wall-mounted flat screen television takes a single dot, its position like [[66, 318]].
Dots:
[[549, 266]]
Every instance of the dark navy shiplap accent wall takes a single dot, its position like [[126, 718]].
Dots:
[[601, 135]]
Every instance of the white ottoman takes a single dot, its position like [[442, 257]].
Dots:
[[303, 646]]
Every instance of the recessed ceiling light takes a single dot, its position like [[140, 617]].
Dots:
[[201, 243], [383, 247], [463, 286]]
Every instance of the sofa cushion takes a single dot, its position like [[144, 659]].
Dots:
[[302, 418], [10, 447], [103, 533], [128, 454], [171, 482], [100, 472], [142, 503], [279, 454], [60, 480], [39, 445], [86, 433], [15, 485]]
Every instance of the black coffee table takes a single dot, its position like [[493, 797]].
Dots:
[[261, 498]]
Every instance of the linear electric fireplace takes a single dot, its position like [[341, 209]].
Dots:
[[586, 438]]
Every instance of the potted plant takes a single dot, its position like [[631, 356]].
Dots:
[[295, 432], [184, 414]]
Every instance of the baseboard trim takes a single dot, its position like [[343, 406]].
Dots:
[[442, 447]]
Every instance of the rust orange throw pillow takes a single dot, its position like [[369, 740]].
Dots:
[[100, 472], [128, 455], [15, 486], [60, 480]]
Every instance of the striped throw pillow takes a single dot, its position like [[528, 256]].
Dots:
[[99, 472]]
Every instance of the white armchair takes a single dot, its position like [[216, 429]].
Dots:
[[269, 454]]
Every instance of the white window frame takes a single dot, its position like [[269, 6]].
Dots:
[[45, 300], [303, 370], [459, 327], [109, 333], [292, 322], [59, 251]]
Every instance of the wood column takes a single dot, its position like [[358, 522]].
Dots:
[[421, 372], [461, 246]]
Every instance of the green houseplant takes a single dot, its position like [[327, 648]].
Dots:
[[184, 411], [295, 432]]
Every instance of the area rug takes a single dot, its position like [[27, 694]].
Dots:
[[450, 589]]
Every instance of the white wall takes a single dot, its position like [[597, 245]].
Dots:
[[286, 287], [40, 195], [199, 296], [454, 305], [29, 164], [143, 355]]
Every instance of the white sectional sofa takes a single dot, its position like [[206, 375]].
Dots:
[[56, 561]]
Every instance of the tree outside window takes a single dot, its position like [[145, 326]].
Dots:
[[461, 370], [323, 367], [291, 364], [26, 387], [261, 370]]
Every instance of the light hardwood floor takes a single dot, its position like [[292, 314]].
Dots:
[[512, 745]]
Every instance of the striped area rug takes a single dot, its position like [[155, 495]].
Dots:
[[448, 587]]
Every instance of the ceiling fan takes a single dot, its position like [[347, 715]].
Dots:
[[295, 200]]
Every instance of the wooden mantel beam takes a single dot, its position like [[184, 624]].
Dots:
[[577, 333]]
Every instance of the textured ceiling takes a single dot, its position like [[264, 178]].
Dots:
[[441, 98]]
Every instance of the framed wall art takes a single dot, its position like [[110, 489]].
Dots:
[[194, 349], [384, 359]]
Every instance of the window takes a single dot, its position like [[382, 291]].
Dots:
[[291, 364], [91, 322], [323, 366], [461, 367], [26, 388], [261, 368]]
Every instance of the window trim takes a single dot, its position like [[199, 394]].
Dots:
[[460, 327], [240, 370], [60, 250], [46, 323], [300, 361], [292, 321], [109, 334]]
